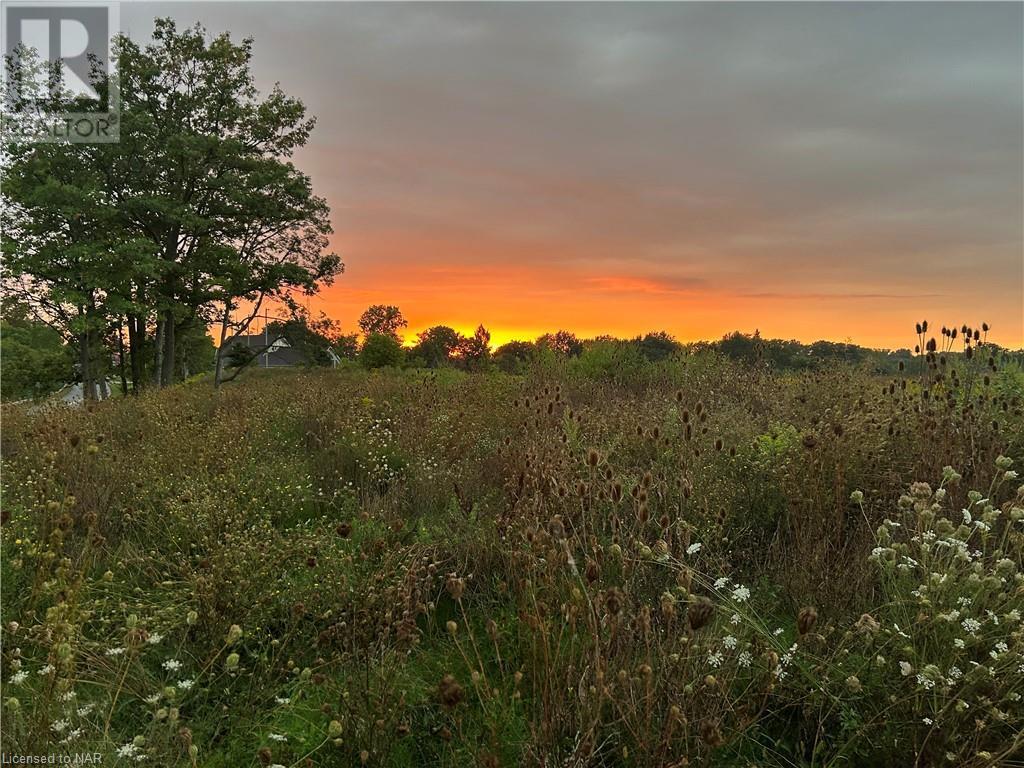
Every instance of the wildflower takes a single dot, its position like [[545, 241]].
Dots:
[[60, 725], [127, 750], [958, 642], [741, 594], [721, 583], [277, 737], [694, 548], [745, 659], [927, 721], [1001, 648], [49, 669], [729, 642], [714, 658], [152, 699], [282, 700], [906, 668], [185, 684], [83, 711], [172, 665], [154, 638], [116, 651], [18, 678], [853, 683], [231, 661], [971, 625]]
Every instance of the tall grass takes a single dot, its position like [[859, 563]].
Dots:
[[697, 562]]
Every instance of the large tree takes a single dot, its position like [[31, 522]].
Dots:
[[196, 215]]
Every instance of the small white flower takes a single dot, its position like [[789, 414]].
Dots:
[[744, 659], [115, 651], [128, 750], [68, 696], [282, 700], [729, 642], [155, 638], [185, 684], [905, 668], [18, 677], [60, 725], [172, 665], [721, 583], [49, 669], [153, 699], [740, 594], [999, 650], [277, 737], [83, 711], [958, 642], [927, 721], [971, 625], [694, 548], [734, 619], [955, 673], [714, 658]]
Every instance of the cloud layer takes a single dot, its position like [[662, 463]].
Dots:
[[809, 169]]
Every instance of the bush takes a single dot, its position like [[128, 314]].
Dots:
[[380, 351]]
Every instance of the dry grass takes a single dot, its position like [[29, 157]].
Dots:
[[696, 563]]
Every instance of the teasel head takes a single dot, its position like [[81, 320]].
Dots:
[[711, 733], [449, 692], [679, 395], [613, 601], [719, 444], [593, 571], [617, 492], [806, 620], [699, 613], [455, 586], [592, 458]]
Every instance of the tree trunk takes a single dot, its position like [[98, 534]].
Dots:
[[136, 346], [84, 363], [120, 360], [158, 364], [167, 375]]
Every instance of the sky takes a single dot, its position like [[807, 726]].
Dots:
[[809, 170]]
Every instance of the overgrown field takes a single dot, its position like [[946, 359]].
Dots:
[[696, 563]]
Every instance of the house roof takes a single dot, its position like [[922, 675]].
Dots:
[[257, 340]]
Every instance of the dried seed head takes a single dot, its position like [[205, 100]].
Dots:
[[455, 586], [449, 692], [806, 620], [699, 613]]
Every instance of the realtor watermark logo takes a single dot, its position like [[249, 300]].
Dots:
[[60, 83]]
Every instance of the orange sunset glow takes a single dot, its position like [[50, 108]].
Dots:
[[812, 171]]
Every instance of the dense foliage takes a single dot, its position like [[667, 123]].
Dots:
[[694, 561]]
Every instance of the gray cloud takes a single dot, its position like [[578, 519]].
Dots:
[[873, 145]]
